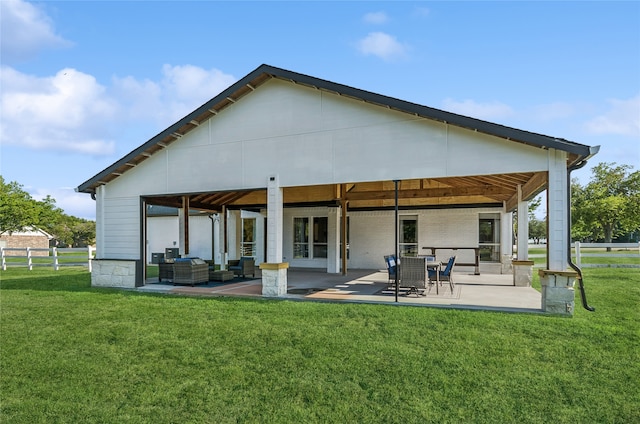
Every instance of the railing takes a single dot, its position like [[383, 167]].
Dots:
[[56, 257]]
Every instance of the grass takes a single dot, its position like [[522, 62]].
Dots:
[[72, 353]]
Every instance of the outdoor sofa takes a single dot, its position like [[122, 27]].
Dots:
[[190, 271]]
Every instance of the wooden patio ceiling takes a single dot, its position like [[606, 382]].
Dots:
[[501, 189]]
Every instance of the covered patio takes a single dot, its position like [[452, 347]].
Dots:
[[479, 292], [332, 175]]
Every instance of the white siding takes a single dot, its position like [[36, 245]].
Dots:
[[310, 137], [121, 228]]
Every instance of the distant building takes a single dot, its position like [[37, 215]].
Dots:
[[29, 237]]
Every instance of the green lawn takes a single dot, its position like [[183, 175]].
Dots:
[[72, 353]]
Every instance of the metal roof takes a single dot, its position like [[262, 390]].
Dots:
[[577, 152]]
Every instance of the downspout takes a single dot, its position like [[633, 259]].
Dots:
[[575, 267]]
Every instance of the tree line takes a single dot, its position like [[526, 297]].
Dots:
[[606, 209], [19, 211]]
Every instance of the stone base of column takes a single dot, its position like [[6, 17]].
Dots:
[[506, 264], [558, 294], [522, 273], [115, 273], [274, 279]]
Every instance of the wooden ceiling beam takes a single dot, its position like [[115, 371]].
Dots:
[[488, 191], [530, 189]]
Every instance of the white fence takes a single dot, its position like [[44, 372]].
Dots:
[[57, 257], [578, 254], [577, 247]]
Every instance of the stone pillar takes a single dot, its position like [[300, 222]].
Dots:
[[274, 271], [558, 294], [115, 273], [274, 279], [522, 273], [333, 241]]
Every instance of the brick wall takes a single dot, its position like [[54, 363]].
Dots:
[[24, 241]]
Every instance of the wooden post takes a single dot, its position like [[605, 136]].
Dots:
[[578, 260], [56, 264], [29, 261], [395, 183], [90, 258], [4, 260], [185, 207], [343, 228]]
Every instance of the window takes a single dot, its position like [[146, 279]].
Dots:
[[248, 237], [320, 232], [408, 236], [300, 238], [489, 237]]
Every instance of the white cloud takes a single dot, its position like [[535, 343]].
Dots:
[[75, 204], [25, 30], [471, 108], [376, 18], [72, 112], [622, 118], [554, 111], [382, 45], [181, 90], [421, 12], [66, 112]]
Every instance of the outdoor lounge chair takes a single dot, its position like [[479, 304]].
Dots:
[[444, 275], [244, 266]]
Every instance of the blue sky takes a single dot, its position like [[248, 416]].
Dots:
[[82, 83]]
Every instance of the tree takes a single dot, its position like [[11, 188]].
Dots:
[[537, 229], [609, 205], [17, 209], [75, 232]]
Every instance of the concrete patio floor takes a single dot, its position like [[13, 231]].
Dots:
[[479, 292]]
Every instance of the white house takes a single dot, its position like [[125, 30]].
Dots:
[[302, 172]]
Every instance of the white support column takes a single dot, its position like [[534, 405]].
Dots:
[[506, 241], [100, 227], [274, 220], [523, 227], [234, 234], [333, 241], [558, 294], [557, 211], [274, 271]]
